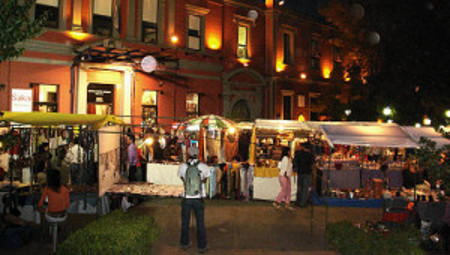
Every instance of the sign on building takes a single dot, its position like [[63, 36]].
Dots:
[[22, 100]]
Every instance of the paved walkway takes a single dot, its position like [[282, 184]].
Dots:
[[235, 227]]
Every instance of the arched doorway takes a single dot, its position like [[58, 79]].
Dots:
[[241, 111]]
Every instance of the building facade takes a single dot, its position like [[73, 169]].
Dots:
[[241, 59]]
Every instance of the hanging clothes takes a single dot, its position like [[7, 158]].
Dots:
[[233, 180], [231, 146]]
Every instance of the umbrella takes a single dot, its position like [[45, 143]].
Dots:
[[211, 122]]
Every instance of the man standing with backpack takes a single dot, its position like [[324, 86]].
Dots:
[[194, 175]]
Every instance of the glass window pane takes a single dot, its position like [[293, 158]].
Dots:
[[287, 48], [103, 7], [149, 97], [194, 43], [242, 36], [53, 3], [194, 22], [47, 93], [150, 11]]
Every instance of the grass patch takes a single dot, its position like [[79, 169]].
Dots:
[[116, 233], [345, 238]]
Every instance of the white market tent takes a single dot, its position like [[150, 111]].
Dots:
[[369, 134], [283, 125], [426, 132]]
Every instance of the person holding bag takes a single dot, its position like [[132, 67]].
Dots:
[[285, 180]]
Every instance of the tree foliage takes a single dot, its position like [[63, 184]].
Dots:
[[407, 68], [17, 27]]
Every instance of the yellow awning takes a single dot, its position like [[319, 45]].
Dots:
[[55, 119]]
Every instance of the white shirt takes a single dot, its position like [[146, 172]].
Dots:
[[204, 173], [75, 154], [286, 166]]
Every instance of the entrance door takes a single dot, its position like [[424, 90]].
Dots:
[[100, 99], [287, 107]]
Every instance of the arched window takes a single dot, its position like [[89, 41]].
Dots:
[[241, 111]]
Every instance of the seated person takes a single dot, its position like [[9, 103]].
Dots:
[[57, 196]]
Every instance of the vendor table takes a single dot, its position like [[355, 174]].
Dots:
[[266, 185], [166, 174], [355, 178]]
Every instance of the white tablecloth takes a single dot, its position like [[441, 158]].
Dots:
[[163, 174], [267, 188]]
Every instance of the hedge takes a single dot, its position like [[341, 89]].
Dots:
[[348, 239], [116, 233]]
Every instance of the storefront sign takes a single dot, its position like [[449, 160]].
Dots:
[[149, 64], [22, 100]]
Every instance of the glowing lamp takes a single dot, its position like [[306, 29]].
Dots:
[[281, 128], [303, 76], [347, 79], [231, 130], [281, 2], [1, 144], [326, 72], [244, 61], [390, 121], [417, 125], [447, 113], [426, 121], [149, 141], [79, 36], [387, 111], [348, 112], [213, 43], [280, 67], [174, 39]]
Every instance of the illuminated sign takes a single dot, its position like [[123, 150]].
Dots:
[[21, 100]]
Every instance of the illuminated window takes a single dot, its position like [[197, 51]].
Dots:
[[315, 54], [150, 21], [194, 32], [149, 104], [103, 22], [287, 48], [192, 100], [45, 97], [52, 8], [242, 42]]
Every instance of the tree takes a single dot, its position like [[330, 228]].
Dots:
[[17, 27], [399, 50]]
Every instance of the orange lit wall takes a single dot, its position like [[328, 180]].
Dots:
[[213, 27]]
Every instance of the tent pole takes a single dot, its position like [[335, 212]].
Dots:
[[326, 199]]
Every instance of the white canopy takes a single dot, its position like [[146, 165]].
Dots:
[[285, 125], [426, 132], [368, 134]]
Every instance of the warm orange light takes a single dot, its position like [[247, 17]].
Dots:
[[326, 71], [280, 67], [301, 118], [303, 76], [347, 77], [213, 43], [380, 121], [79, 36], [244, 61], [174, 39]]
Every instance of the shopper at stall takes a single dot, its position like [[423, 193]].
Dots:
[[233, 178], [285, 180], [59, 163], [303, 163], [75, 158], [193, 174], [133, 159], [276, 150]]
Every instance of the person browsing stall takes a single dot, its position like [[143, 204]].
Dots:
[[75, 158], [285, 180], [193, 174], [303, 163], [133, 158], [57, 196]]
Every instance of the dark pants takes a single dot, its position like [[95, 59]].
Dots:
[[303, 184], [132, 174], [144, 172], [199, 209], [76, 174]]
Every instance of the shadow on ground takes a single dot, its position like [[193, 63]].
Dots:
[[235, 227]]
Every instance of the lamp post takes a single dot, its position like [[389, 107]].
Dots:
[[387, 112]]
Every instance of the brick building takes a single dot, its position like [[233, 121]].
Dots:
[[243, 59]]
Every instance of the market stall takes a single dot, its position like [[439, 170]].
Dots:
[[376, 155], [27, 163], [426, 132], [271, 135]]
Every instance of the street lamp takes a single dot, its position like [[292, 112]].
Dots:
[[447, 113], [387, 111], [418, 125], [390, 121], [426, 121], [348, 112]]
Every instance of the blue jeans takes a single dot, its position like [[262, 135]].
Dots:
[[303, 184], [199, 209], [76, 174]]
